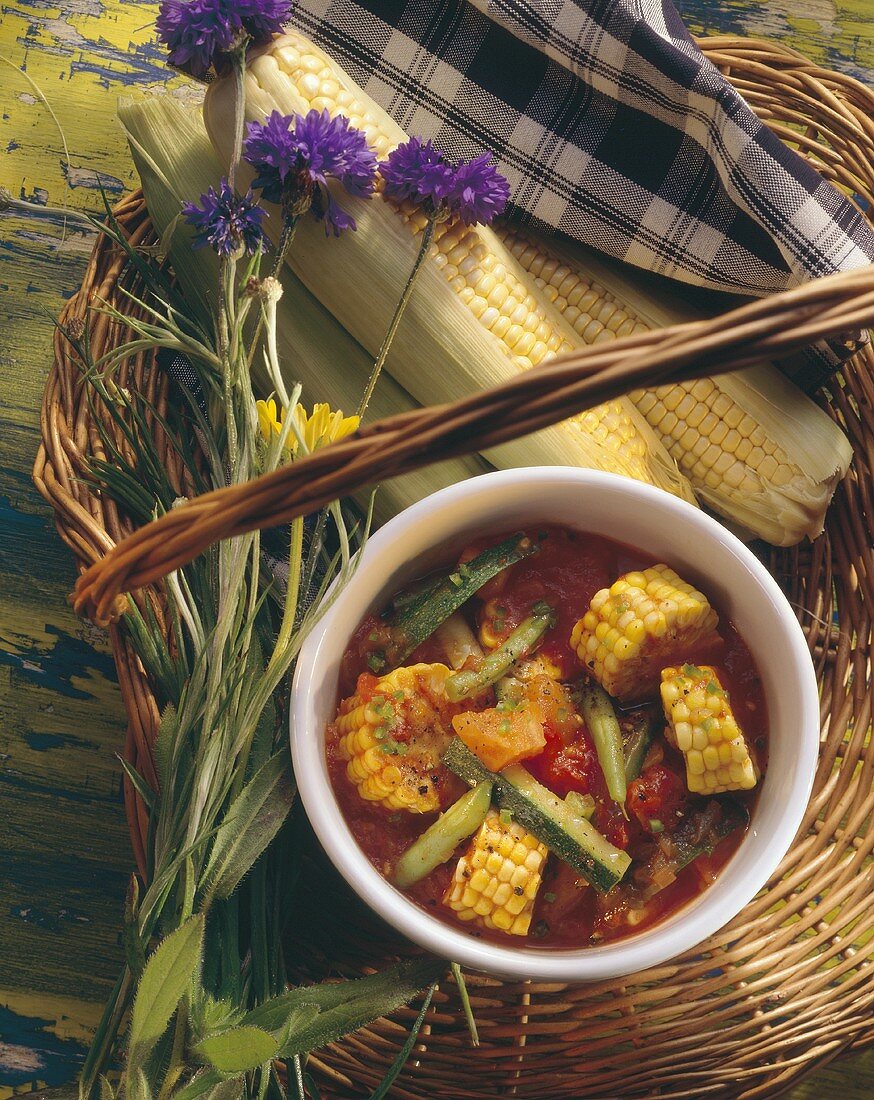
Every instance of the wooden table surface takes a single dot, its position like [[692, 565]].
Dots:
[[64, 853]]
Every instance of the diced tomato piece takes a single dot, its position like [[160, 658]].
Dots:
[[366, 685], [657, 798]]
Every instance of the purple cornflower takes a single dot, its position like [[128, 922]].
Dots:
[[194, 31], [263, 18], [198, 32], [472, 190], [295, 155], [417, 171], [479, 192], [226, 221]]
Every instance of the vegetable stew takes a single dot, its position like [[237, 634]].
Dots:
[[555, 740]]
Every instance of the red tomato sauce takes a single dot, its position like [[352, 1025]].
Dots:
[[568, 570]]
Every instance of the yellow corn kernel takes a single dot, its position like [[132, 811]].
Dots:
[[631, 629], [740, 460], [702, 726], [393, 741], [497, 879]]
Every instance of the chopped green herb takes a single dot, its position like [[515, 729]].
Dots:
[[394, 748], [508, 705], [398, 695], [656, 826], [549, 896], [707, 725], [384, 710], [455, 578], [692, 670], [376, 661], [713, 688], [506, 817], [505, 726]]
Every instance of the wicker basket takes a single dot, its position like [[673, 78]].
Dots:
[[787, 985]]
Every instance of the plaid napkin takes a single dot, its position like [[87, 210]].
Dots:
[[610, 126]]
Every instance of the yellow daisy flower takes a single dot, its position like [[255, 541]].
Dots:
[[269, 421], [322, 427]]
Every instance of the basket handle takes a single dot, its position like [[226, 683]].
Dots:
[[566, 385]]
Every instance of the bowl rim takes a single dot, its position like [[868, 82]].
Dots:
[[652, 947]]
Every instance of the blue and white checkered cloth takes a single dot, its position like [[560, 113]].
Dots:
[[610, 125]]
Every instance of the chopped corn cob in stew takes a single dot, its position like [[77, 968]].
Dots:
[[563, 745], [497, 879]]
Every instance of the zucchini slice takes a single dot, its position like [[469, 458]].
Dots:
[[419, 617], [441, 838], [546, 815]]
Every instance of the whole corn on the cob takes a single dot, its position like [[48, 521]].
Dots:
[[472, 321], [393, 739], [175, 161], [703, 727], [755, 448], [496, 880], [635, 626]]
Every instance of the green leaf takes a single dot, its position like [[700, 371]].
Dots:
[[167, 975], [253, 820], [298, 1019], [209, 1085], [312, 1088], [238, 1050], [139, 784], [344, 1006], [163, 750], [403, 1054], [465, 1002], [138, 1087]]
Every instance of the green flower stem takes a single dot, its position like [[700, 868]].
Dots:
[[292, 591], [427, 237], [286, 239], [238, 61]]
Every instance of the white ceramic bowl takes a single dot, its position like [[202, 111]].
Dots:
[[703, 552]]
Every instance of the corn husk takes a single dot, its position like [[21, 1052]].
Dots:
[[175, 162]]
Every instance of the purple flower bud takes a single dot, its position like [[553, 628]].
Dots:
[[263, 18], [294, 157], [417, 171], [226, 221], [198, 32], [194, 31], [479, 192]]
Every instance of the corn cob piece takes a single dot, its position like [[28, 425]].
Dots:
[[632, 629], [442, 351], [703, 727], [755, 448], [394, 739], [497, 879], [175, 161]]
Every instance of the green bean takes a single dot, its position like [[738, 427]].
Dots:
[[600, 718], [461, 685]]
